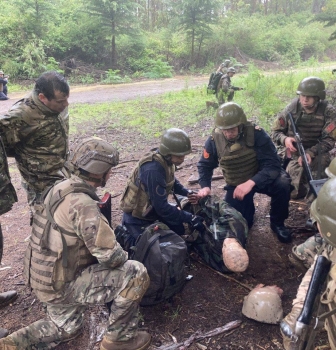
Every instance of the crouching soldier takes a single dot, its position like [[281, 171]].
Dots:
[[73, 260], [323, 211]]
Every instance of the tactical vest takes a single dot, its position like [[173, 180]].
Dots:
[[135, 200], [328, 297], [238, 160], [46, 268], [309, 126], [7, 192]]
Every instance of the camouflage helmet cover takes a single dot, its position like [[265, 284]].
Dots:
[[229, 115], [312, 86], [323, 211], [331, 169], [95, 156], [231, 70], [263, 304], [175, 142]]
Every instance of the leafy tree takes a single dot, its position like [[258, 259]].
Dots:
[[118, 17], [328, 16]]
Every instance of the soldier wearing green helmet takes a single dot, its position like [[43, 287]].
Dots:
[[323, 212], [145, 198], [225, 90], [315, 121], [250, 165]]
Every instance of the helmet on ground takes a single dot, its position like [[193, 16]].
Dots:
[[175, 142], [263, 304], [229, 115], [95, 156], [323, 211], [331, 169], [231, 70], [312, 86]]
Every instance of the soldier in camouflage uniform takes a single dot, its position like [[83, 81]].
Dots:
[[35, 132], [7, 199], [250, 165], [315, 121], [323, 211], [223, 67], [225, 90], [73, 260]]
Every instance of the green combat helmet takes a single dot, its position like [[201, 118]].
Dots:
[[175, 142], [95, 156], [229, 115], [323, 211], [331, 169], [231, 70], [312, 86]]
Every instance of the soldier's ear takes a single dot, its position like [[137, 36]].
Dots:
[[42, 98]]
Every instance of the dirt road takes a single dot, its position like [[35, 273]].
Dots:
[[121, 92]]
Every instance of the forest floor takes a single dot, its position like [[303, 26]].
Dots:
[[209, 300]]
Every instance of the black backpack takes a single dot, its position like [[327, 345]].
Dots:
[[213, 82], [163, 253]]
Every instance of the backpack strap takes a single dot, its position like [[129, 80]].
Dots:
[[150, 243]]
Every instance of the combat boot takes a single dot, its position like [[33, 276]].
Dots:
[[7, 297], [235, 257], [282, 232], [140, 342], [287, 327]]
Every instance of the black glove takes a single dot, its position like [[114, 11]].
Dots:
[[197, 223]]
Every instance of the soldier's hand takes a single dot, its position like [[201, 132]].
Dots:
[[193, 197], [243, 189], [289, 143], [308, 159], [203, 192], [197, 223]]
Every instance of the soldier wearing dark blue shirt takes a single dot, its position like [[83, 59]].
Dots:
[[145, 198], [250, 165]]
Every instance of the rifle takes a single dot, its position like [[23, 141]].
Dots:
[[105, 206], [315, 185], [301, 334]]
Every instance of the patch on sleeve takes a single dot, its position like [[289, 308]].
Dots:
[[282, 122], [331, 127], [206, 155], [257, 127]]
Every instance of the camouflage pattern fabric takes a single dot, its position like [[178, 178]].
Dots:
[[7, 192], [38, 139], [222, 222]]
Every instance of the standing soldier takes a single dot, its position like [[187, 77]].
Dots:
[[323, 211], [315, 121], [224, 89], [250, 165], [35, 132], [223, 67], [74, 260], [3, 86], [7, 198]]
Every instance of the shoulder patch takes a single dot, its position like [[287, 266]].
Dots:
[[282, 122], [206, 155], [330, 127], [257, 127]]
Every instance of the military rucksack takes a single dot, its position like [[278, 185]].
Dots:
[[213, 82], [163, 253]]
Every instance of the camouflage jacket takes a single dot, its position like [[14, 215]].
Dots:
[[38, 139], [88, 237], [7, 191], [315, 128]]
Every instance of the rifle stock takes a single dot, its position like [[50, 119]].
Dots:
[[105, 206], [315, 185]]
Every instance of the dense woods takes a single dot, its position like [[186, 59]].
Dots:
[[137, 37]]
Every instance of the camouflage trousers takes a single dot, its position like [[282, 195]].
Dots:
[[124, 286], [223, 97], [299, 179]]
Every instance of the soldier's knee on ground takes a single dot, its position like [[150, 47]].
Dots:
[[138, 284], [235, 257]]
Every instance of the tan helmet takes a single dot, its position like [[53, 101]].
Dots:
[[323, 211], [95, 156], [312, 86], [331, 169], [1, 72], [175, 142], [229, 115], [263, 304]]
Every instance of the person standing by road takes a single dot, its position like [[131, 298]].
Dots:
[[3, 86], [225, 91], [250, 165], [35, 132], [315, 121]]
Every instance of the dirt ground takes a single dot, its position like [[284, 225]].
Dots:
[[208, 300]]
